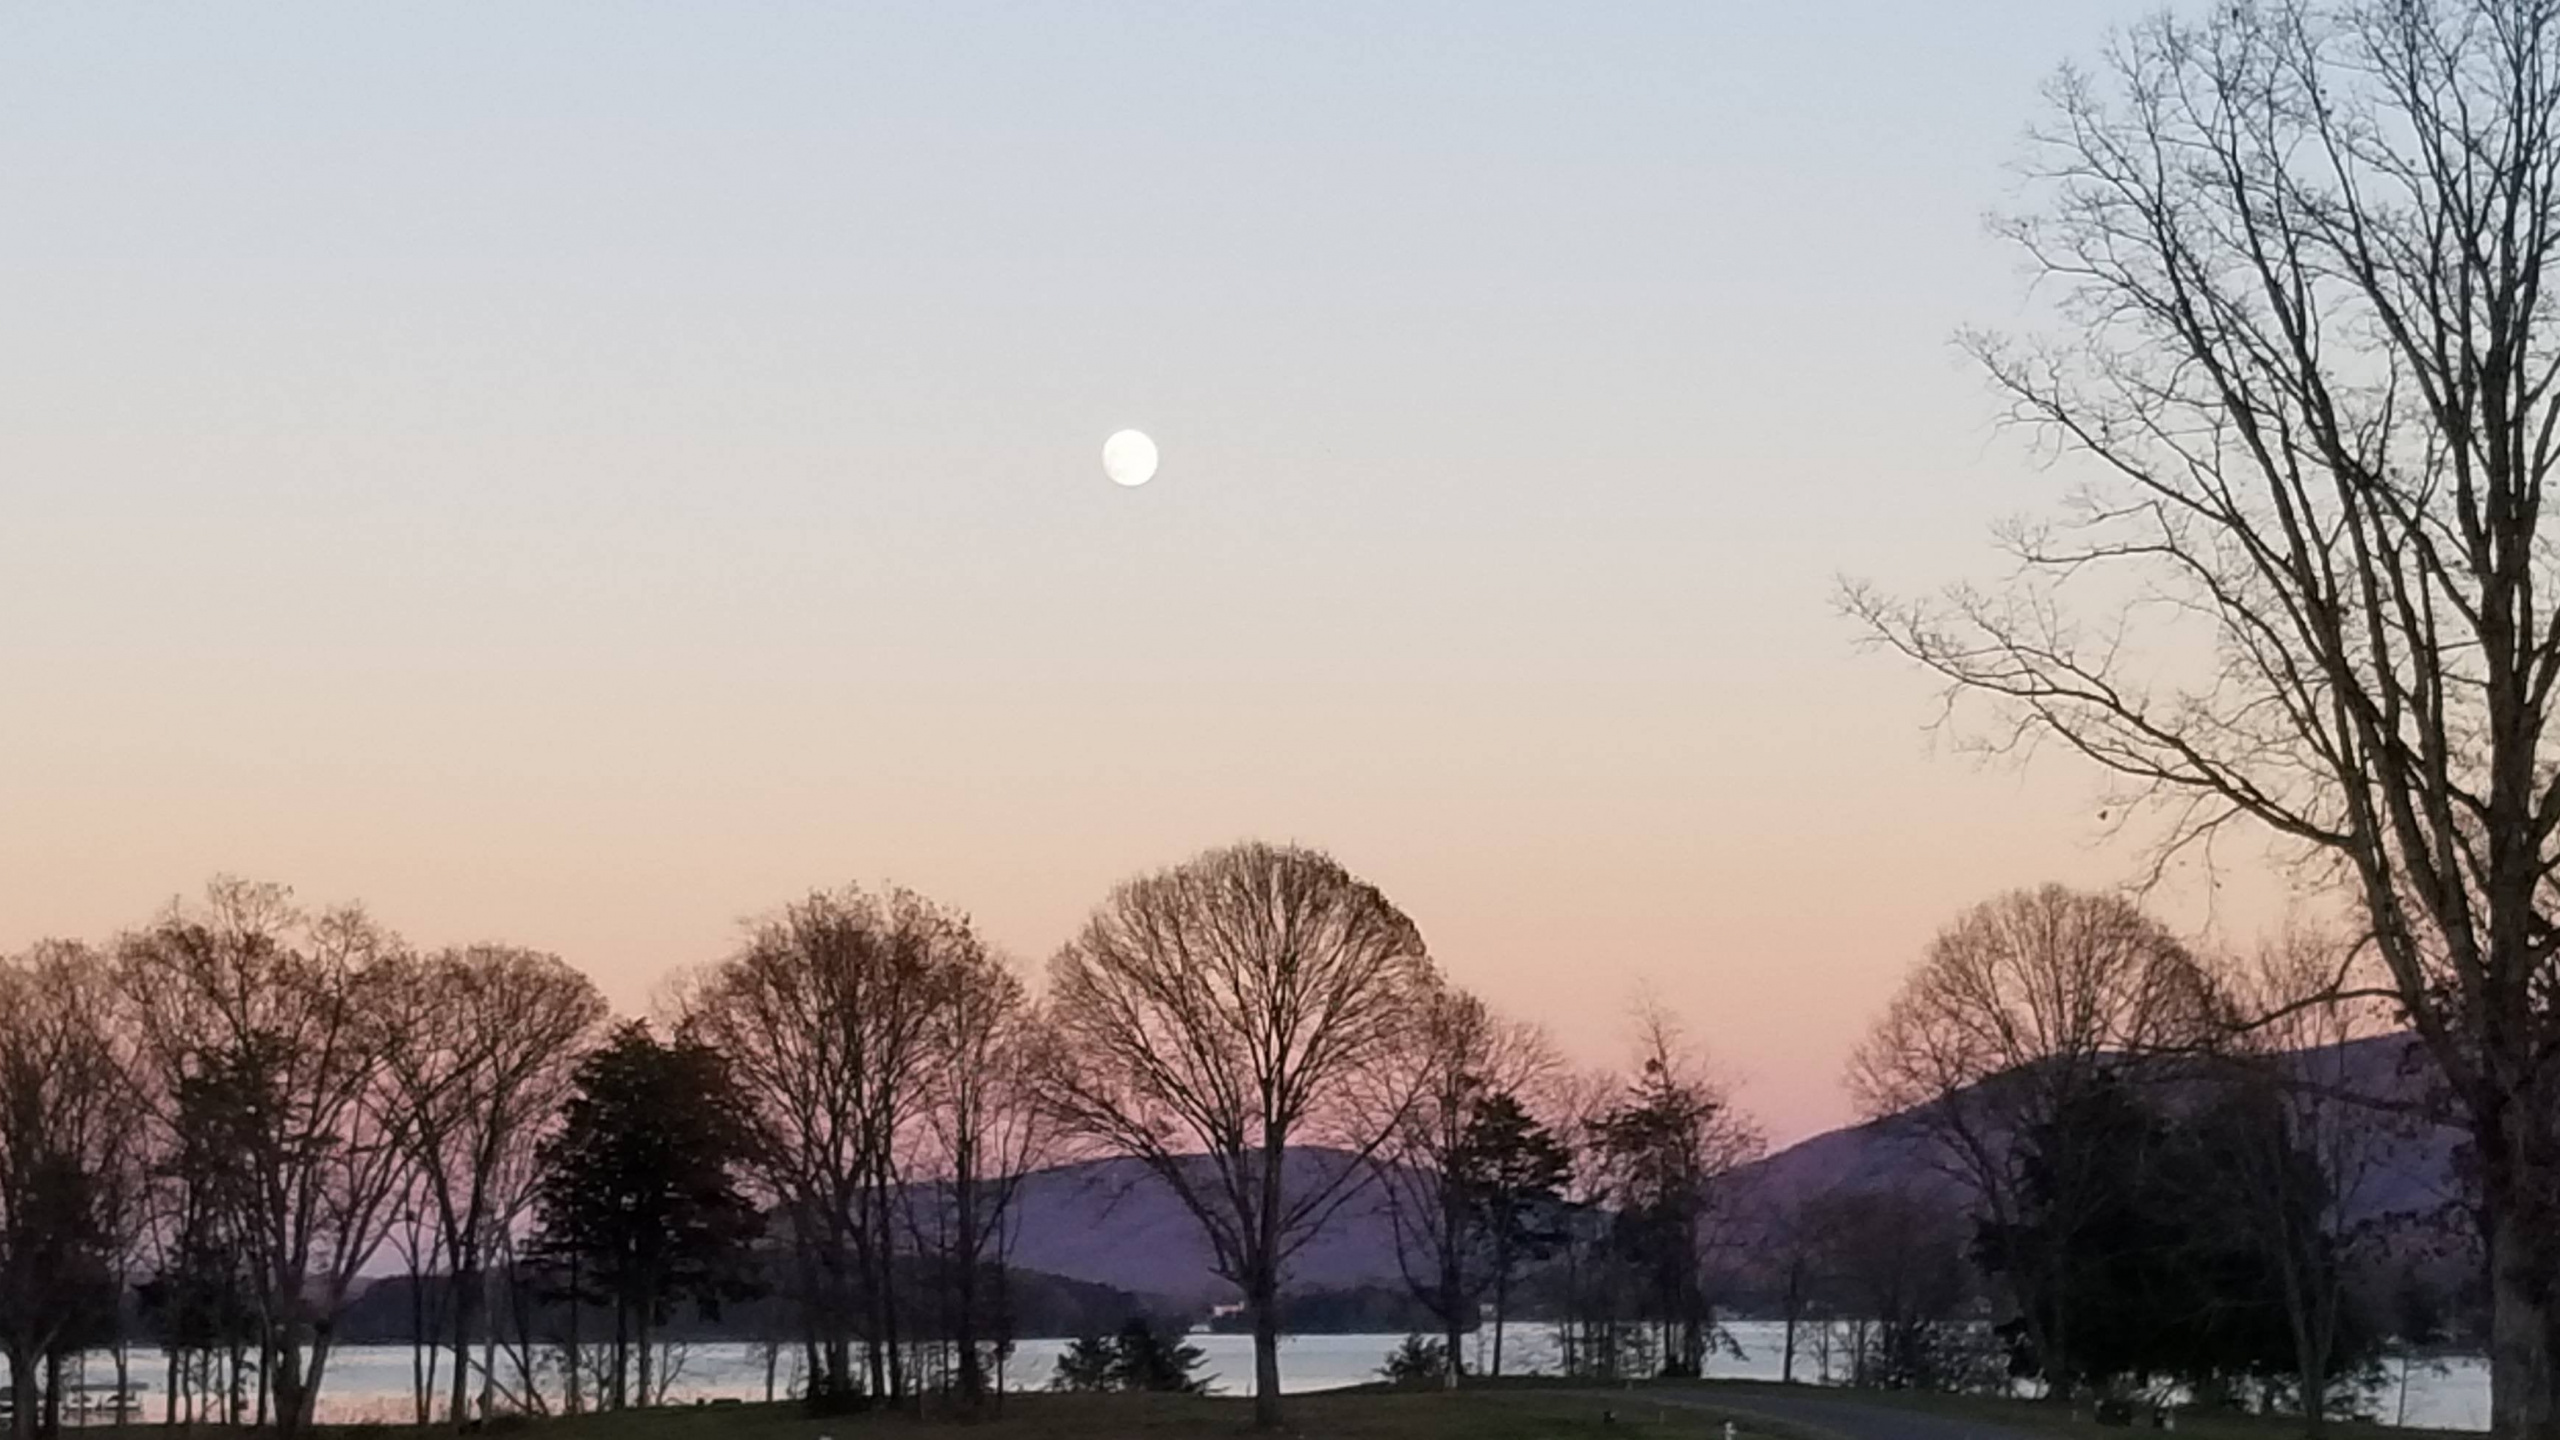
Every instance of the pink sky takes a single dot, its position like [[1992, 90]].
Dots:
[[586, 484]]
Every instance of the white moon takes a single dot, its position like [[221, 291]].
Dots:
[[1129, 458]]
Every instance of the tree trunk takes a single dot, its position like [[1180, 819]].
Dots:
[[314, 1374], [572, 1396], [1263, 1281], [463, 1281], [1795, 1293], [52, 1393], [488, 1345], [646, 1348], [421, 1385], [22, 1392], [1452, 1297], [1265, 1302], [288, 1390], [973, 1379], [876, 1324], [2523, 1328], [621, 1353], [1003, 1315], [2310, 1340], [889, 1291]]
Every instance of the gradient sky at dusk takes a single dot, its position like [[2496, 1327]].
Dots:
[[582, 474]]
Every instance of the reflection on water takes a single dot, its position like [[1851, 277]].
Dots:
[[373, 1382]]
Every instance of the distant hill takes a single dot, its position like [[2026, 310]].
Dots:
[[1041, 1304], [2411, 1172], [1114, 1223], [1099, 1238]]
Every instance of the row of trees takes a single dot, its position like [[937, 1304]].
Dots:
[[226, 1114], [234, 1113], [230, 1113], [2164, 1165]]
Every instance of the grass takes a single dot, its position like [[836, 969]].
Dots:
[[1369, 1413], [1525, 1409], [2036, 1418]]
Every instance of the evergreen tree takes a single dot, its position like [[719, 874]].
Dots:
[[1512, 1172], [1420, 1363], [1149, 1359], [1655, 1146], [1140, 1357], [2162, 1274], [638, 1199], [1086, 1366]]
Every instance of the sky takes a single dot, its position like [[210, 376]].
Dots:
[[585, 474]]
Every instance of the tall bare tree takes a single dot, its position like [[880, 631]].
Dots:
[[1214, 1015], [826, 1016], [66, 1156], [2302, 248], [1458, 1055], [983, 1128], [2020, 1006], [279, 1013], [481, 1044]]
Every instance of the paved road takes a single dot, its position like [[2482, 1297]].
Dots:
[[1847, 1418]]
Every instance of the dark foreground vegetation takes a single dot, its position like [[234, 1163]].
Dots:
[[1544, 1408], [218, 1128], [1522, 1414]]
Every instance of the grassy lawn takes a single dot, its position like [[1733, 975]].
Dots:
[[2040, 1419], [1507, 1410], [1366, 1414]]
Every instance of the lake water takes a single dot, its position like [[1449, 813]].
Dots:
[[372, 1382]]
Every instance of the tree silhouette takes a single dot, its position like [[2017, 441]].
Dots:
[[1214, 1015], [639, 1199], [1511, 1172]]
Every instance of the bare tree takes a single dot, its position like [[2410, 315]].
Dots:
[[1588, 1332], [2311, 1123], [66, 1137], [984, 1126], [481, 1043], [826, 1016], [1664, 1147], [2302, 248], [2018, 1007], [414, 1238], [1893, 1261], [279, 1014], [1458, 1056], [1211, 1017]]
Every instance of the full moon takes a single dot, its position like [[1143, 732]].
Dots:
[[1129, 458]]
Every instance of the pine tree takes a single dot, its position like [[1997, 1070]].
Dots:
[[638, 1197]]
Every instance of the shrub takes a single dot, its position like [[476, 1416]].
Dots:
[[1417, 1364], [1138, 1358]]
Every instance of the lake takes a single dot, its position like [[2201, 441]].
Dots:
[[371, 1382]]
